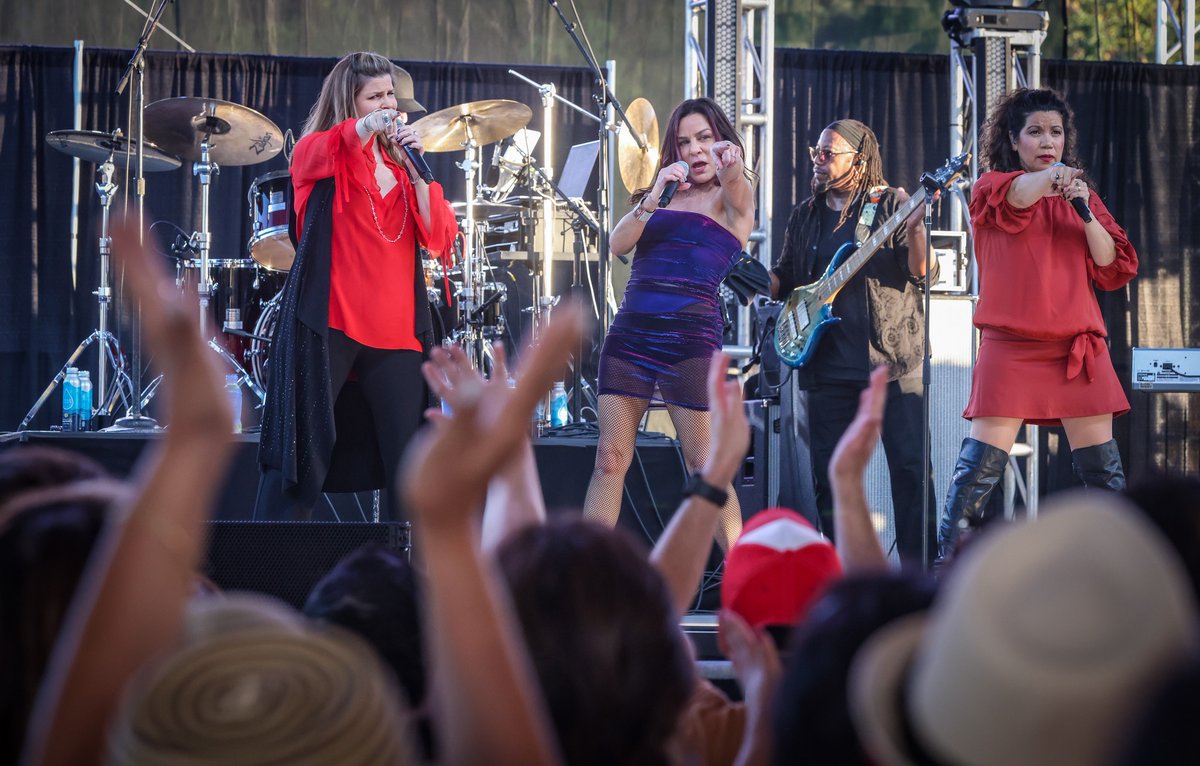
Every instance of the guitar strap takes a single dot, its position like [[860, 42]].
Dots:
[[866, 219]]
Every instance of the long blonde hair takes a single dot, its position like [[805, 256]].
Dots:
[[335, 104]]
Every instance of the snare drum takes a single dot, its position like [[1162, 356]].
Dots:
[[270, 201]]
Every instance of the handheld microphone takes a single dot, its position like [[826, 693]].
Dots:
[[1082, 208], [419, 163], [669, 189]]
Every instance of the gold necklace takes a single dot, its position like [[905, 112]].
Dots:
[[375, 216]]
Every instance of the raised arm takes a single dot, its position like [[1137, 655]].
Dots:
[[682, 550], [628, 231], [857, 544], [487, 707], [737, 195], [143, 573]]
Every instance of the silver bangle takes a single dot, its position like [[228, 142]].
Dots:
[[642, 214]]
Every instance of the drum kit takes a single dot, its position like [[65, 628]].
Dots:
[[210, 133]]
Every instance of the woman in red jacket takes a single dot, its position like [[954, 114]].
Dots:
[[1043, 240], [354, 307]]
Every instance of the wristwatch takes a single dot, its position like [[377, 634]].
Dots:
[[696, 485], [642, 214]]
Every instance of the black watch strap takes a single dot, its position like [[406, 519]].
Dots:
[[696, 485]]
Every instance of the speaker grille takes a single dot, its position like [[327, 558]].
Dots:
[[286, 558]]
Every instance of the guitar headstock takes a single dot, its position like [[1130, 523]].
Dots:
[[940, 179]]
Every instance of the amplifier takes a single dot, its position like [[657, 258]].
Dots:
[[1166, 369]]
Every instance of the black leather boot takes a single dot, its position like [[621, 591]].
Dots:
[[1099, 466], [976, 473]]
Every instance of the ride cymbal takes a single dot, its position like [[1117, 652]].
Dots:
[[236, 135]]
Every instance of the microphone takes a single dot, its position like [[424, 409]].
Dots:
[[669, 189], [419, 163], [1082, 208]]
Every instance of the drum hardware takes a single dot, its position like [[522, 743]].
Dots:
[[108, 151], [467, 127], [243, 376], [211, 132]]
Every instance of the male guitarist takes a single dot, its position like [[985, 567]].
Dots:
[[882, 320]]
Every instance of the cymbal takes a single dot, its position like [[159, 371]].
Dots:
[[484, 208], [97, 147], [489, 121], [236, 135], [638, 166]]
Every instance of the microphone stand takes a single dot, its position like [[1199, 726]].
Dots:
[[604, 99], [931, 187], [134, 419]]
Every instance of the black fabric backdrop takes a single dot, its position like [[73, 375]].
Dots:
[[1138, 132], [1139, 137]]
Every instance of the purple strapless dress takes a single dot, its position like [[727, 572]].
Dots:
[[670, 322]]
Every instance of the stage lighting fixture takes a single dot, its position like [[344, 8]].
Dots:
[[996, 3]]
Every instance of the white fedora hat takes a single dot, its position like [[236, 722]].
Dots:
[[1041, 649]]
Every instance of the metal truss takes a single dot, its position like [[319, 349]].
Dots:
[[1183, 50], [729, 54]]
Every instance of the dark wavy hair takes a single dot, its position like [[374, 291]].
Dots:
[[1008, 118], [717, 120], [604, 639]]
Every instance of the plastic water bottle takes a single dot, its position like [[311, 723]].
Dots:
[[84, 402], [234, 392], [560, 413], [70, 397]]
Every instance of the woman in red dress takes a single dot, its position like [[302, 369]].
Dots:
[[1043, 241], [354, 319]]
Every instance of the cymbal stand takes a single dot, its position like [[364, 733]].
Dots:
[[206, 170], [474, 275], [110, 349]]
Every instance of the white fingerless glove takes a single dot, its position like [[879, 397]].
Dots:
[[378, 121]]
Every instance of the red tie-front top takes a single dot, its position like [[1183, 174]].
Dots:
[[374, 239]]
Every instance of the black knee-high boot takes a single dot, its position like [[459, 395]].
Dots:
[[1099, 466], [976, 473]]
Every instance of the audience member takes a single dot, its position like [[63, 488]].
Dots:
[[35, 466], [1042, 647], [1172, 503], [46, 538], [811, 720]]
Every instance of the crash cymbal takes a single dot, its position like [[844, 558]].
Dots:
[[97, 147], [489, 121], [237, 135], [638, 166]]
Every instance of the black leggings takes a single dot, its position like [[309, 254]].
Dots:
[[395, 392]]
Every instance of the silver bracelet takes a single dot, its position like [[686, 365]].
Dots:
[[642, 214]]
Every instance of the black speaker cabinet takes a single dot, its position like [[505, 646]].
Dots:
[[286, 558], [757, 483]]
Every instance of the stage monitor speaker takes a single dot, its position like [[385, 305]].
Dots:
[[286, 558]]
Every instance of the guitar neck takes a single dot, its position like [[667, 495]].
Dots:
[[864, 252]]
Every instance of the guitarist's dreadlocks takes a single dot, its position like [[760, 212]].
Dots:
[[868, 167]]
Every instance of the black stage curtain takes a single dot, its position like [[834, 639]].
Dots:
[[1139, 140], [47, 307]]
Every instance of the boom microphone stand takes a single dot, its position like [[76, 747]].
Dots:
[[134, 419]]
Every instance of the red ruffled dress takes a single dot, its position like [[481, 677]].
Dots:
[[374, 237], [1042, 353]]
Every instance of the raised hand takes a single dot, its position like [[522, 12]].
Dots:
[[730, 432], [672, 172], [379, 121], [447, 468], [725, 154]]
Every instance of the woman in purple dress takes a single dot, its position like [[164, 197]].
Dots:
[[669, 323]]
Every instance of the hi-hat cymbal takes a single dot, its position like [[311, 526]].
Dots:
[[484, 208], [638, 166], [236, 135], [483, 122], [97, 147]]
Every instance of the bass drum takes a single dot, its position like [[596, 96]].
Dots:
[[260, 344]]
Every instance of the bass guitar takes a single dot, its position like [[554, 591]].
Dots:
[[808, 312]]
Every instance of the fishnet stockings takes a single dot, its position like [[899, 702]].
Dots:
[[619, 417]]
